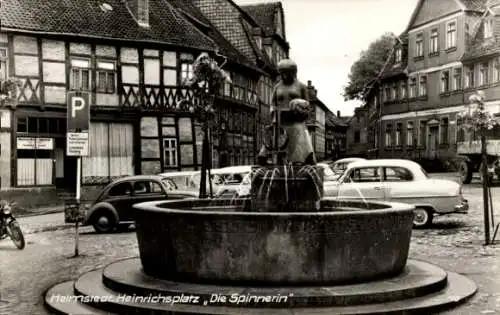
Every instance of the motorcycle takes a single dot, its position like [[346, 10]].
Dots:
[[9, 226]]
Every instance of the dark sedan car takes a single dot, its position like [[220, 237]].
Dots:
[[113, 207]]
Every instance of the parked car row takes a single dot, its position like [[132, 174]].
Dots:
[[351, 178]]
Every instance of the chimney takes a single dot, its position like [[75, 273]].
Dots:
[[309, 83], [338, 113], [140, 11]]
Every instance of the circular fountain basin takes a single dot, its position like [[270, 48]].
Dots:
[[222, 242]]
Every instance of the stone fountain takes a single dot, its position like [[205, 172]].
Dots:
[[283, 250]]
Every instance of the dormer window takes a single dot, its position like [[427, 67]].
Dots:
[[398, 56], [140, 11], [488, 28]]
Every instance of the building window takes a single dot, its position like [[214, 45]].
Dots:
[[496, 70], [357, 136], [419, 46], [469, 77], [394, 92], [445, 81], [457, 79], [3, 64], [409, 134], [399, 128], [422, 87], [106, 77], [451, 35], [444, 131], [434, 41], [398, 56], [413, 87], [388, 135], [186, 71], [488, 28], [403, 89], [422, 133], [170, 152], [387, 93], [483, 74], [35, 149], [80, 74]]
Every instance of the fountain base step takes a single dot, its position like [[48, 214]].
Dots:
[[419, 278], [422, 288]]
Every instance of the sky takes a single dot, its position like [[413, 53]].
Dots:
[[327, 36]]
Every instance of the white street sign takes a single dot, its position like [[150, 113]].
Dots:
[[77, 144]]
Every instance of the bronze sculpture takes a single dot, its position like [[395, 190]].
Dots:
[[289, 111]]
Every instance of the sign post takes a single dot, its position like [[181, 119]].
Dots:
[[77, 144]]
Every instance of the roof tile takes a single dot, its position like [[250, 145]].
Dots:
[[86, 18], [263, 14]]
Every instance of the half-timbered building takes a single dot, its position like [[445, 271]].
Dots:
[[132, 57]]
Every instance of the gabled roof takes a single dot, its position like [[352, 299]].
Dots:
[[480, 46], [228, 18], [392, 69], [194, 15], [85, 18], [263, 14], [465, 5]]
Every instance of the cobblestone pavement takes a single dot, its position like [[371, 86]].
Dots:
[[455, 243]]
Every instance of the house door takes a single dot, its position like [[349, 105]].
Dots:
[[432, 142]]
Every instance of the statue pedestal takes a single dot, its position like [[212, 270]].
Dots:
[[290, 188]]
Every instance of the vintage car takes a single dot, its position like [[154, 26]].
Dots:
[[339, 166], [329, 179], [113, 206], [402, 181], [232, 180]]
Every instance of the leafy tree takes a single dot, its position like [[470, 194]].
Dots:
[[367, 68]]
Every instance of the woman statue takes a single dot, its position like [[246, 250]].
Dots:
[[290, 101]]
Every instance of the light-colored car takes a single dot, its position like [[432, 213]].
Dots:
[[339, 166], [232, 180], [402, 181], [185, 180], [329, 179]]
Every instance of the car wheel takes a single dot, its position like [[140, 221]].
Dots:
[[422, 217], [465, 171], [103, 221]]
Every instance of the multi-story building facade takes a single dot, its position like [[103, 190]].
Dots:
[[335, 136], [133, 58], [436, 65]]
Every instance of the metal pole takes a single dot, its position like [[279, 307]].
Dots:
[[77, 199], [484, 172]]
